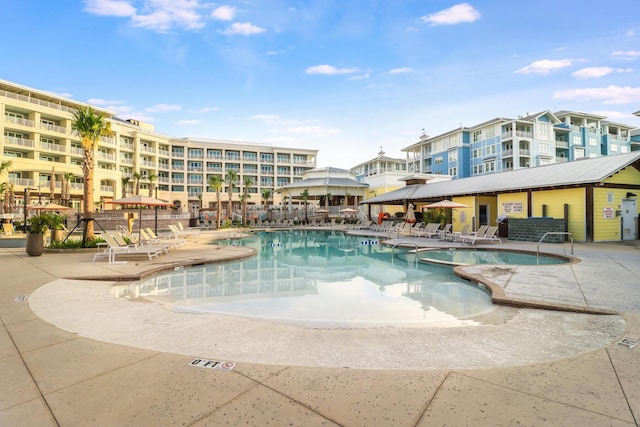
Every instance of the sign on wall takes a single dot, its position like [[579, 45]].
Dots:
[[512, 207], [608, 213]]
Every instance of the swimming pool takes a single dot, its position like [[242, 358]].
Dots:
[[322, 279], [462, 256]]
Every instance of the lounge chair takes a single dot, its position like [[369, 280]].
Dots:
[[489, 236], [445, 233], [114, 248], [459, 235], [150, 237], [8, 229]]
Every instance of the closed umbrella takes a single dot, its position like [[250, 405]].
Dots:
[[411, 216]]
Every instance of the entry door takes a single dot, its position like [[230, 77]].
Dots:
[[629, 218], [483, 214]]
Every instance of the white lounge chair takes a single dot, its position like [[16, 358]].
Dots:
[[489, 236], [114, 248]]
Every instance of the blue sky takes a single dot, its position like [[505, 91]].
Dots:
[[345, 77]]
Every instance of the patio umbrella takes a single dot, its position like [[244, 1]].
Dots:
[[348, 210], [140, 201], [444, 204], [49, 207]]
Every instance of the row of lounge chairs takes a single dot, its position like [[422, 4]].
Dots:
[[123, 243], [436, 230]]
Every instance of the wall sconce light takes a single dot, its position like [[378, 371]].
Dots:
[[630, 195]]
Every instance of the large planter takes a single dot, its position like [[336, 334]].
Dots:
[[35, 244]]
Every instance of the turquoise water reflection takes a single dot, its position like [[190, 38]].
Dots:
[[325, 279]]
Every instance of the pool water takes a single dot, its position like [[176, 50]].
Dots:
[[463, 256], [322, 279]]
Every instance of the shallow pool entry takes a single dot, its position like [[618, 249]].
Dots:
[[322, 279], [462, 256]]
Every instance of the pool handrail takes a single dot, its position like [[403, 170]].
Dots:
[[552, 233]]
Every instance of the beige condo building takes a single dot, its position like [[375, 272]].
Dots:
[[38, 139]]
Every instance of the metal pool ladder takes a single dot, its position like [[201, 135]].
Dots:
[[551, 233]]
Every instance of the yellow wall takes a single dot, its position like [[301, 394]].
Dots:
[[608, 229], [492, 203], [463, 216], [628, 175], [512, 198], [555, 201]]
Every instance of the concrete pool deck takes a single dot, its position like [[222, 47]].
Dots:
[[52, 376]]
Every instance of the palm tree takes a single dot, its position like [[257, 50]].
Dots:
[[232, 176], [266, 193], [136, 183], [216, 182], [248, 182], [125, 182], [90, 126], [65, 191], [304, 196], [52, 185], [152, 184], [4, 166]]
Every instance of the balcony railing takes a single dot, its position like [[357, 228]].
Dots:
[[148, 163], [126, 161], [53, 147], [147, 149], [20, 122], [12, 140], [562, 159], [31, 100], [106, 188], [55, 128], [106, 156], [76, 150], [195, 169], [562, 144], [126, 146], [525, 152], [164, 153]]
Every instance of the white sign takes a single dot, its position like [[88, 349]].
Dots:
[[512, 207], [607, 213], [212, 364]]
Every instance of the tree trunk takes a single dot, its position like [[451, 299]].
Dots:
[[87, 200]]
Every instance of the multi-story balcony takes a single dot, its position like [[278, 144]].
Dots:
[[164, 166], [126, 146], [106, 188], [107, 140], [562, 144], [163, 153], [53, 147], [164, 179], [175, 180], [106, 156], [214, 169], [125, 160], [20, 142], [524, 152], [519, 133], [37, 101], [147, 163], [19, 122], [54, 128], [562, 159], [24, 182], [195, 182], [195, 169], [147, 149]]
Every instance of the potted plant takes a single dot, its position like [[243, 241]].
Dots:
[[56, 222], [37, 226]]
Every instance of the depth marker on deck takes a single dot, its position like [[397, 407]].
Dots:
[[213, 364]]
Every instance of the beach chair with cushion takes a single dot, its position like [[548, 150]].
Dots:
[[149, 237]]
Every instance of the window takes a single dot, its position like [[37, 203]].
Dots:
[[477, 136], [437, 160], [267, 158], [489, 132], [544, 147], [543, 129], [453, 156], [545, 162], [477, 169], [489, 167], [577, 140], [593, 142], [453, 171], [491, 150], [579, 153], [614, 147], [477, 153], [593, 155], [624, 149]]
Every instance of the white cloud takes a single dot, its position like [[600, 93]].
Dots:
[[206, 109], [399, 70], [608, 95], [457, 14], [224, 13], [118, 109], [626, 54], [163, 108], [614, 115], [596, 72], [157, 15], [360, 77], [243, 29], [312, 130], [265, 117], [631, 33], [188, 122], [101, 102], [545, 66], [109, 7], [329, 69]]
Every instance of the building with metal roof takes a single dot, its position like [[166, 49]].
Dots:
[[600, 192]]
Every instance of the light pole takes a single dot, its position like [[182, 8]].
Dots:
[[156, 214]]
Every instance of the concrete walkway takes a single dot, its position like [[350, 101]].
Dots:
[[65, 376]]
